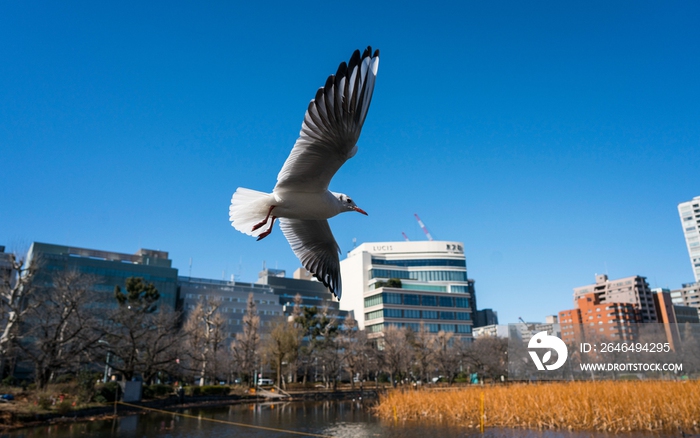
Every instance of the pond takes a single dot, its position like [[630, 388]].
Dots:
[[351, 419]]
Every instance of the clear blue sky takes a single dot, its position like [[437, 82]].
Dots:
[[554, 139]]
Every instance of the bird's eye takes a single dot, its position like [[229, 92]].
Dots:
[[349, 200]]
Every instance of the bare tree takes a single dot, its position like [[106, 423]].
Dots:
[[61, 327], [245, 347], [280, 346], [15, 286], [488, 356], [355, 346], [139, 338], [396, 352], [162, 347], [448, 353], [328, 348], [317, 325], [423, 344], [205, 336]]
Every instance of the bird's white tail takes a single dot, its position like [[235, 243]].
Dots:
[[248, 208]]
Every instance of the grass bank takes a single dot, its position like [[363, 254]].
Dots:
[[659, 406]]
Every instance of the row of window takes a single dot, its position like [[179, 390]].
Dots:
[[419, 275], [420, 262], [416, 300], [234, 310], [431, 328], [417, 314]]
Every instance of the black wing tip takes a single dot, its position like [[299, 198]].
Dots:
[[335, 290], [342, 68], [368, 53]]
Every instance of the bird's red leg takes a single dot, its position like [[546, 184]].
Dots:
[[264, 221], [268, 231]]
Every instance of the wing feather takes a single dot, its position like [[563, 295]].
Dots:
[[313, 243], [331, 126]]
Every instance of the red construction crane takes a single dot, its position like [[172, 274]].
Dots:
[[405, 237], [422, 225]]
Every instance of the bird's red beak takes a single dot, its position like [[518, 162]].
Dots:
[[359, 210]]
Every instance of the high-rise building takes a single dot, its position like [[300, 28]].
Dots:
[[108, 269], [687, 295], [634, 290], [690, 221], [408, 283], [594, 316]]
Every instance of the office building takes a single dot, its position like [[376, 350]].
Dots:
[[689, 213], [633, 290], [108, 269], [485, 317], [312, 292], [408, 283], [232, 300]]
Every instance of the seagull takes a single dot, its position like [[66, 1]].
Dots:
[[301, 199]]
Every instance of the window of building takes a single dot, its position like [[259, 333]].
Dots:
[[432, 328], [430, 314], [459, 289], [413, 326], [420, 262], [409, 313], [391, 298], [375, 328], [446, 302], [392, 313], [373, 315], [463, 316], [461, 328], [374, 300], [447, 315], [419, 275], [449, 328], [411, 300], [429, 300], [461, 302]]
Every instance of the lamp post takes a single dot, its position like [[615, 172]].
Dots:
[[104, 378]]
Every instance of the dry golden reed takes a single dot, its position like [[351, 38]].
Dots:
[[668, 406]]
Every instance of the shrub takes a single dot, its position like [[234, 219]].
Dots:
[[10, 381], [107, 391], [63, 407], [207, 390], [158, 390], [44, 401], [87, 385]]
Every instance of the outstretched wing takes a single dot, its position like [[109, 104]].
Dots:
[[331, 126], [313, 243]]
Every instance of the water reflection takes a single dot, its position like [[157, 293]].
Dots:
[[344, 419]]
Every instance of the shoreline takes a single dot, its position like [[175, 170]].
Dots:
[[13, 421]]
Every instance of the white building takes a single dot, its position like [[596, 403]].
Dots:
[[433, 288], [690, 221]]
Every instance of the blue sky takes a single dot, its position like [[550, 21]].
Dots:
[[554, 139]]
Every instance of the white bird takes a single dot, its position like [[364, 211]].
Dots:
[[301, 199]]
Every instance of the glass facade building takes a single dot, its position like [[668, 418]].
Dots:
[[108, 269], [407, 284]]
